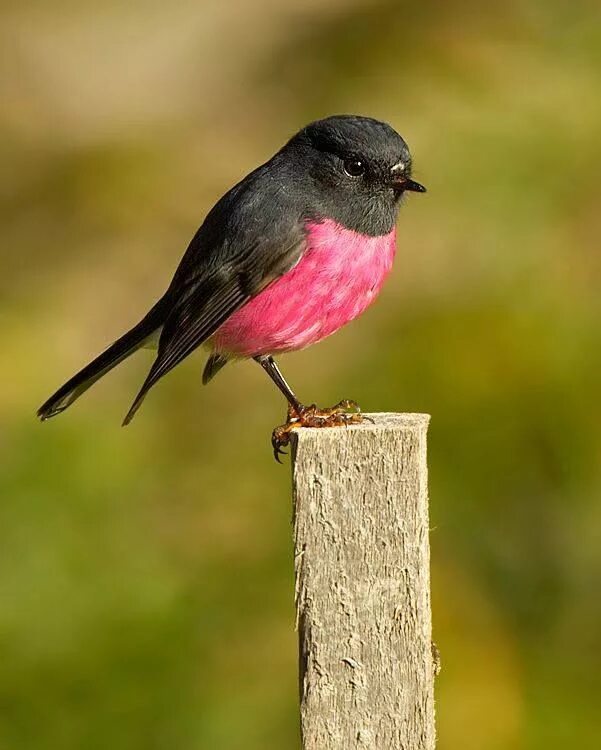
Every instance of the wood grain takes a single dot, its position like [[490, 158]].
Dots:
[[363, 585]]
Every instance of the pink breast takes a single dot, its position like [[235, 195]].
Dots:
[[339, 275]]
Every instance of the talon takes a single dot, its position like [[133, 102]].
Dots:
[[343, 414], [277, 442], [280, 437]]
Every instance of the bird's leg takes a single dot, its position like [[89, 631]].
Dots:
[[344, 413], [268, 364]]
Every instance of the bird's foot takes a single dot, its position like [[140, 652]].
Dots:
[[342, 414]]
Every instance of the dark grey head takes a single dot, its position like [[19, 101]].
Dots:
[[353, 169]]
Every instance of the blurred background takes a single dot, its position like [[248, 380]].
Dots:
[[146, 592]]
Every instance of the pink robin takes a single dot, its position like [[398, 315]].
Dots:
[[297, 249]]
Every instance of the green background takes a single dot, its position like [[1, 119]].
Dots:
[[146, 594]]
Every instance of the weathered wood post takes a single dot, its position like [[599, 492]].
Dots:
[[362, 585]]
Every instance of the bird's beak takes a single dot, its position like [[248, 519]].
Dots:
[[401, 183], [413, 186]]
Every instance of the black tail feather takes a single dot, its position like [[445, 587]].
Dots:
[[137, 403], [116, 353], [214, 363]]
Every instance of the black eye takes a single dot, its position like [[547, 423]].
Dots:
[[354, 167]]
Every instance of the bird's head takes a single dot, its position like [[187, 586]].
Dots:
[[359, 167]]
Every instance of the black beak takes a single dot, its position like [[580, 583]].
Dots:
[[401, 182], [413, 186]]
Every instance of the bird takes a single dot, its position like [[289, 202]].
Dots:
[[297, 249]]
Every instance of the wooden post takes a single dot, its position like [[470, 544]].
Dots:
[[362, 585]]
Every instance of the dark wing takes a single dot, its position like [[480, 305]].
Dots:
[[205, 295]]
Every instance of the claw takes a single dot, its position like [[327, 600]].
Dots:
[[277, 452], [344, 413], [280, 437]]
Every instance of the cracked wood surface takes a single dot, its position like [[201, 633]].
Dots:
[[363, 585]]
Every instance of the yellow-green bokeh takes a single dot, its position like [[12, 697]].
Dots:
[[146, 595]]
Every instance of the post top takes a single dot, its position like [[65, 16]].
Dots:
[[382, 421]]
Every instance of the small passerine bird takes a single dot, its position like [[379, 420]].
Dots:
[[297, 249]]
